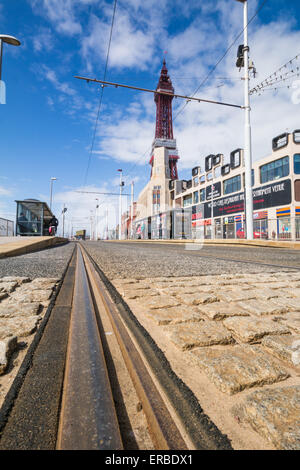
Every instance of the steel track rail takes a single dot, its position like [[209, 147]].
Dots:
[[88, 418], [162, 428]]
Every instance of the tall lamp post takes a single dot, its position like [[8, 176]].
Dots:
[[4, 38], [96, 215], [248, 145], [51, 190], [120, 205]]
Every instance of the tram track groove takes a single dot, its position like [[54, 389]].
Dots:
[[162, 427]]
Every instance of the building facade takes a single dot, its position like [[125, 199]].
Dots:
[[211, 204]]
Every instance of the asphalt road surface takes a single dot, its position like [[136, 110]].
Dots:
[[131, 260], [51, 262]]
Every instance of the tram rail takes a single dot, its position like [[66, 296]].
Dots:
[[88, 417]]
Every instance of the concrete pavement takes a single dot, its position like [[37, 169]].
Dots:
[[14, 246]]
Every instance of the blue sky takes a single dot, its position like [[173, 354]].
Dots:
[[48, 121]]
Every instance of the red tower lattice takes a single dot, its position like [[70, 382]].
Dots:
[[164, 123]]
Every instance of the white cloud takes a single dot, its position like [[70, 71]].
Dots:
[[43, 41], [60, 13], [130, 45]]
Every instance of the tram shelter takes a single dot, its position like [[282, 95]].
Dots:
[[32, 218]]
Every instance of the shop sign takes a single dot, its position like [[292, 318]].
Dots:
[[270, 195], [216, 191]]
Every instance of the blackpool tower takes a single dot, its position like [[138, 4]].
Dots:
[[164, 125]]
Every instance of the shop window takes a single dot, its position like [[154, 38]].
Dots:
[[187, 200], [297, 164], [232, 185], [202, 195], [275, 170]]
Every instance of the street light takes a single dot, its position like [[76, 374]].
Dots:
[[248, 146], [51, 184], [96, 230], [8, 40], [120, 205]]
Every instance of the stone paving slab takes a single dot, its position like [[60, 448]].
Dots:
[[7, 347], [285, 347], [189, 335], [287, 303], [19, 279], [160, 301], [220, 310], [275, 415], [137, 293], [19, 309], [291, 320], [264, 307], [197, 298], [18, 326], [249, 330], [236, 296], [238, 367], [8, 286], [173, 315], [38, 295]]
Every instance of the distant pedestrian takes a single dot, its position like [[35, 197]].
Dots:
[[53, 225]]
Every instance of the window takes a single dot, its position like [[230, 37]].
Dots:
[[209, 176], [202, 195], [232, 184], [202, 179], [196, 181], [156, 199], [187, 200], [218, 172], [297, 163], [275, 170], [196, 197]]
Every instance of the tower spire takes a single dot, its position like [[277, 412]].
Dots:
[[164, 123]]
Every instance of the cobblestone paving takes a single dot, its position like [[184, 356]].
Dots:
[[243, 332], [22, 308]]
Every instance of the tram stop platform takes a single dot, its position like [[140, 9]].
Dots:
[[15, 246]]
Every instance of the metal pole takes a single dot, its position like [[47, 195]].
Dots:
[[63, 221], [1, 54], [131, 210], [248, 149], [51, 183], [106, 224], [120, 208], [212, 210]]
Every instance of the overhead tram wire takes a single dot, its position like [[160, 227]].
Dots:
[[101, 93], [215, 67], [278, 76], [221, 58], [210, 72]]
